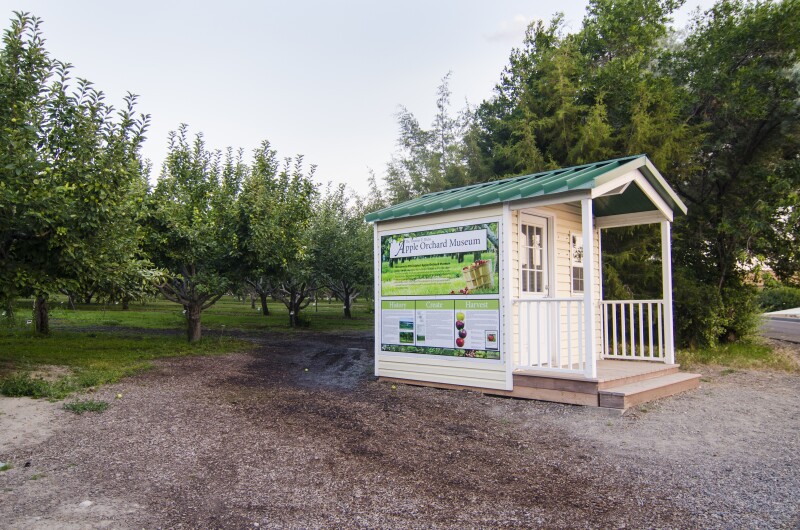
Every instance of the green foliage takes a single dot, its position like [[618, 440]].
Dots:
[[87, 405], [633, 269], [706, 316], [70, 175], [434, 159], [274, 219], [779, 298], [22, 384], [739, 65], [5, 467]]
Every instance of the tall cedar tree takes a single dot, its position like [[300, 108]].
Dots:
[[716, 112]]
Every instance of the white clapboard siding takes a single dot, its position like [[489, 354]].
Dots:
[[448, 370]]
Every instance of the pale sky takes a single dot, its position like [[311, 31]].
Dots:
[[322, 79]]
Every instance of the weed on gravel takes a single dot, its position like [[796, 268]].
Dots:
[[89, 405]]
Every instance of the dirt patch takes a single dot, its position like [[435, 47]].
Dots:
[[298, 434], [25, 422], [50, 372]]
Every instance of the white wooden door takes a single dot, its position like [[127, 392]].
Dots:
[[534, 315]]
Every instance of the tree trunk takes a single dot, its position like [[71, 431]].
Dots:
[[346, 301], [292, 310], [252, 301], [193, 320], [88, 298], [41, 316], [264, 308], [126, 301], [9, 308], [71, 302]]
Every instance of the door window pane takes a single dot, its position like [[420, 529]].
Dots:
[[533, 259]]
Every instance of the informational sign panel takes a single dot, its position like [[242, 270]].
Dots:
[[440, 291]]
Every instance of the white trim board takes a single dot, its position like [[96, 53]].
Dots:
[[630, 219]]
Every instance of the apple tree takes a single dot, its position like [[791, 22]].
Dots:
[[191, 225], [275, 212], [342, 246]]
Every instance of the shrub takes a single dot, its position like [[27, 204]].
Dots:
[[779, 298], [23, 385], [704, 316]]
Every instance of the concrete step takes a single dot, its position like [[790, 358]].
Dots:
[[622, 397]]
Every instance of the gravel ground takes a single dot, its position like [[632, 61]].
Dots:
[[251, 440]]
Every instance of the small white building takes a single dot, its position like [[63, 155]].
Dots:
[[496, 287]]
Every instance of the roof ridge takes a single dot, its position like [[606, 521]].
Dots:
[[537, 174]]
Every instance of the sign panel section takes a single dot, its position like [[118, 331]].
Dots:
[[440, 292], [459, 260], [397, 322]]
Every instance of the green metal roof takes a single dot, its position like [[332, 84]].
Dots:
[[585, 177]]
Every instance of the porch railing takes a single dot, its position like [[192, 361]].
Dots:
[[633, 329], [550, 334]]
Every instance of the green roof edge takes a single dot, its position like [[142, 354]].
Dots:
[[580, 177]]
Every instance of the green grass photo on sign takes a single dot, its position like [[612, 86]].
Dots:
[[459, 260]]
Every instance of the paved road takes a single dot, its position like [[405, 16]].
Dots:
[[782, 328]]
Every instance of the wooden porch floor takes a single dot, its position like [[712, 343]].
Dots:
[[619, 384], [609, 370]]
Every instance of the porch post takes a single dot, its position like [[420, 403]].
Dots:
[[507, 309], [588, 287], [666, 274]]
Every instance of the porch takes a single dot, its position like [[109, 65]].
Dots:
[[635, 362], [568, 343], [618, 385]]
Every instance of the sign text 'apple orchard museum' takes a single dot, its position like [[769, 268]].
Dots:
[[440, 291]]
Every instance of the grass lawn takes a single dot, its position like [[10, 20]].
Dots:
[[740, 355], [88, 359], [94, 357], [228, 313]]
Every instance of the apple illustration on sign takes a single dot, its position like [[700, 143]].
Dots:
[[459, 324], [462, 333], [460, 342]]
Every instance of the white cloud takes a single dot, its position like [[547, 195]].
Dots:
[[509, 31]]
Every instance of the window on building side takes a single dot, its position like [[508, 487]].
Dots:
[[576, 253]]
